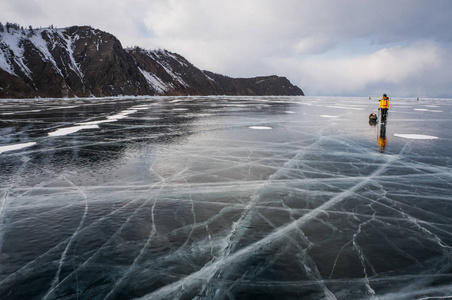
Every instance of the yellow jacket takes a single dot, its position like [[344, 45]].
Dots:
[[384, 103]]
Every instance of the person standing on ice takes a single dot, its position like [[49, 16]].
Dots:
[[383, 107]]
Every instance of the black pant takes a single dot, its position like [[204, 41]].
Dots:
[[384, 114]]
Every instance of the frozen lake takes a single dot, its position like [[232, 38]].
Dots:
[[225, 198]]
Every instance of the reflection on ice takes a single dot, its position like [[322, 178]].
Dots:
[[225, 198]]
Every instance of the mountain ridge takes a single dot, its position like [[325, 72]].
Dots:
[[81, 61]]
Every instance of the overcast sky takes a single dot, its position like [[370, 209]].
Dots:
[[326, 47]]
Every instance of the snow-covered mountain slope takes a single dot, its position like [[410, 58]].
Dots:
[[81, 61]]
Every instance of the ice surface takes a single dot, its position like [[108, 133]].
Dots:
[[191, 198]]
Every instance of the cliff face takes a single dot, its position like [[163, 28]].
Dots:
[[83, 62]]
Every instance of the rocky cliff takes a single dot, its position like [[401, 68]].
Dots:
[[83, 62]]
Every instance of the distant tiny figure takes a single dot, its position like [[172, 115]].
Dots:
[[383, 108]]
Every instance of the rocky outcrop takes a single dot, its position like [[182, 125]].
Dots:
[[264, 85], [83, 62]]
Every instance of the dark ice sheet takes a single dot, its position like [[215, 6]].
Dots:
[[225, 198]]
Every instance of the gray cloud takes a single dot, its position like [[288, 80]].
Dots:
[[19, 9], [325, 46], [403, 71]]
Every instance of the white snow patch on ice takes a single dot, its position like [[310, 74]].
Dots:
[[328, 116], [416, 136], [345, 107], [97, 122], [73, 129], [289, 112], [16, 146], [429, 110], [260, 127], [113, 118], [121, 115]]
